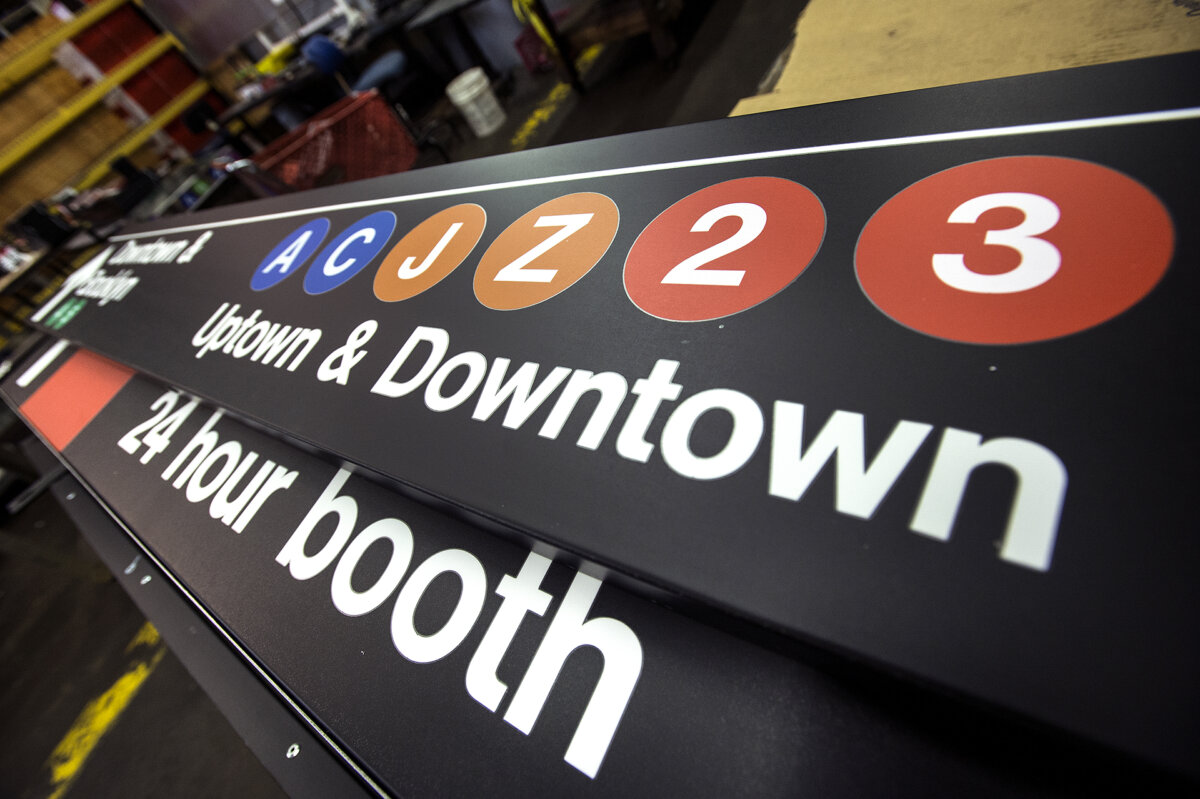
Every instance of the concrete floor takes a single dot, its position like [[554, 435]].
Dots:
[[71, 641], [69, 636]]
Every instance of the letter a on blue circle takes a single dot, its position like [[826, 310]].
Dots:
[[289, 254]]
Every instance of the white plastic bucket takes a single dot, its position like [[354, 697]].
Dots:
[[472, 95]]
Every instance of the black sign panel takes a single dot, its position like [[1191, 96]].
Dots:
[[908, 377], [437, 659]]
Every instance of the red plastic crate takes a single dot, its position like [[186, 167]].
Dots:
[[357, 137]]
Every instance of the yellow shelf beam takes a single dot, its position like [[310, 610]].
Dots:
[[81, 103], [142, 134], [32, 59]]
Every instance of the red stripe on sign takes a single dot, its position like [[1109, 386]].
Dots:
[[72, 397]]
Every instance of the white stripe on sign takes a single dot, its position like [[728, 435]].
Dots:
[[1121, 120], [39, 366]]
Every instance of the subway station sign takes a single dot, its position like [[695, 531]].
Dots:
[[910, 378], [432, 657]]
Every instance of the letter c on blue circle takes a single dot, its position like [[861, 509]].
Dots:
[[347, 254], [288, 254]]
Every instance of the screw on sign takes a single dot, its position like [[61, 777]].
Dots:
[[1014, 250]]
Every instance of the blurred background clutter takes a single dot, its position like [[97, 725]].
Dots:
[[114, 111]]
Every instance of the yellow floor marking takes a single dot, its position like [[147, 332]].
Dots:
[[552, 101], [68, 758], [146, 636]]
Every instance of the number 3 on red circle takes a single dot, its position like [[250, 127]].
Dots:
[[1014, 250]]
